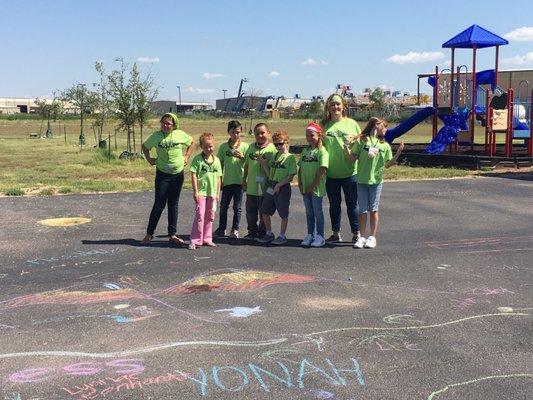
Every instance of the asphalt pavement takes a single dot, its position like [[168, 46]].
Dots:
[[440, 309]]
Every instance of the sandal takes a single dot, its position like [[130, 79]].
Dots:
[[210, 244], [176, 240], [192, 246], [147, 239]]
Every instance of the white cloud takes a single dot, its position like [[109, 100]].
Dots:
[[148, 59], [447, 63], [524, 34], [273, 73], [190, 89], [519, 60], [414, 57], [312, 61], [212, 75]]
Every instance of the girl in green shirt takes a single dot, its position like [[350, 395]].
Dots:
[[373, 154], [206, 173]]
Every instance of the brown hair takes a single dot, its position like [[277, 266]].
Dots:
[[281, 135], [326, 117], [260, 124], [369, 128]]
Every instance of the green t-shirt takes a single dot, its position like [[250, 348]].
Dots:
[[310, 162], [233, 167], [207, 175], [169, 149], [371, 169], [336, 133], [256, 180], [281, 165]]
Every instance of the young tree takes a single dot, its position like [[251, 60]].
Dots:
[[83, 99], [102, 103], [378, 98], [122, 93], [144, 93]]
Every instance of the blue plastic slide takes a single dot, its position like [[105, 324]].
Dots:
[[453, 124], [409, 123]]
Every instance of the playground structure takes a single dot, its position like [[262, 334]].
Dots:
[[462, 97]]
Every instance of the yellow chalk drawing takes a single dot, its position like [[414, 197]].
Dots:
[[65, 222]]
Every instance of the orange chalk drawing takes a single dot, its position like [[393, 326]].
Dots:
[[235, 281]]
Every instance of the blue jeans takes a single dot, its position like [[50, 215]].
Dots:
[[369, 196], [314, 213], [167, 191], [229, 192], [333, 189]]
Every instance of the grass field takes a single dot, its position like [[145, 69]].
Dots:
[[58, 165]]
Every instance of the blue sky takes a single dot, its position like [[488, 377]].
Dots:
[[282, 47]]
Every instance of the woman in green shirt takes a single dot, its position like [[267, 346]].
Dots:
[[170, 143], [341, 174]]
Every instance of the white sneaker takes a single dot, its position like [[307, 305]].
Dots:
[[370, 242], [359, 243], [307, 240], [319, 241], [234, 234]]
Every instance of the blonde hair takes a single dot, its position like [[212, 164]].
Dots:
[[327, 117], [204, 137], [369, 128]]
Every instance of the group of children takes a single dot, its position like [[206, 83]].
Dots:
[[339, 157], [265, 170]]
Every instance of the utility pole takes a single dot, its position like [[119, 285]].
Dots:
[[82, 94], [179, 96]]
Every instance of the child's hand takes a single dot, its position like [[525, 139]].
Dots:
[[401, 146], [261, 160], [276, 188], [151, 160], [196, 198], [237, 153], [310, 189]]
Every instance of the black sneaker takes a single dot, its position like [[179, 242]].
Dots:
[[267, 238], [219, 233], [250, 236]]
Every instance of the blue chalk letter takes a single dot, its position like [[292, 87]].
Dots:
[[202, 381], [286, 381], [216, 378], [356, 370], [314, 369]]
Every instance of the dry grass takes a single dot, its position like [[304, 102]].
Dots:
[[58, 165]]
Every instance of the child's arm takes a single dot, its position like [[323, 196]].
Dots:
[[264, 164], [245, 176], [219, 185], [394, 159], [284, 181], [300, 180], [318, 177], [151, 160], [194, 180], [188, 153], [349, 155]]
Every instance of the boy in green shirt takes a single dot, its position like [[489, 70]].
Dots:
[[254, 179], [281, 170], [231, 155]]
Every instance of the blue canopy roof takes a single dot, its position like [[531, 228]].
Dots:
[[475, 36]]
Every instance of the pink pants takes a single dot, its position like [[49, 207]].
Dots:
[[202, 227]]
